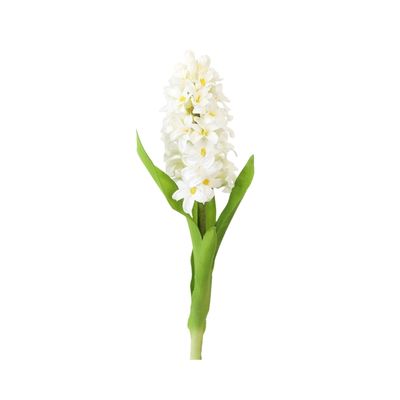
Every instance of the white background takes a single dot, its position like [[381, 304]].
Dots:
[[94, 278]]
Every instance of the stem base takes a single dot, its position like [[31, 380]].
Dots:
[[196, 344]]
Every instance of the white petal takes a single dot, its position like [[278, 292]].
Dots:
[[208, 161], [179, 194], [188, 204], [212, 137], [208, 193], [183, 135]]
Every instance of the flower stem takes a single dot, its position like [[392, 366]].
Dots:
[[204, 250], [196, 344]]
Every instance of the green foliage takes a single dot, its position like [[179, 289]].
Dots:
[[203, 253], [206, 215], [242, 183], [164, 182], [206, 233]]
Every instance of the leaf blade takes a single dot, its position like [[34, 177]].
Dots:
[[242, 183], [201, 295], [163, 181]]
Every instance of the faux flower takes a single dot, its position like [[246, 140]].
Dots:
[[198, 152], [196, 132]]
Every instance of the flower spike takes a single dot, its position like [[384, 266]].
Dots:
[[197, 148]]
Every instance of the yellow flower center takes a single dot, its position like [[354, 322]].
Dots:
[[197, 99], [182, 99], [203, 151], [193, 190], [189, 108], [204, 132], [203, 82], [206, 181], [212, 113]]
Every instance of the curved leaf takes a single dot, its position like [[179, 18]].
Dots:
[[242, 183], [204, 254], [164, 182], [206, 215]]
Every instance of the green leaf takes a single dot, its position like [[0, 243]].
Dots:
[[164, 182], [168, 187], [204, 215], [242, 183], [194, 234], [192, 269], [203, 253], [211, 212]]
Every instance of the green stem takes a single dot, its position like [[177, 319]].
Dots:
[[196, 344], [204, 249]]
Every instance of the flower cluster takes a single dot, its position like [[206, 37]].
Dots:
[[196, 133]]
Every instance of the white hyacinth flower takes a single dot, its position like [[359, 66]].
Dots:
[[196, 133], [197, 149]]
